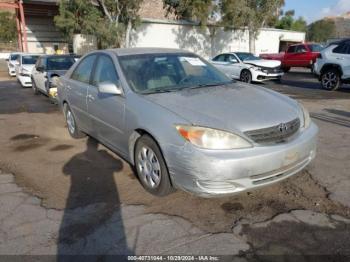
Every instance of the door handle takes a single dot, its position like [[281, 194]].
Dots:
[[340, 58]]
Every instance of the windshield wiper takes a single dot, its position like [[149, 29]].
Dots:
[[209, 85], [160, 90]]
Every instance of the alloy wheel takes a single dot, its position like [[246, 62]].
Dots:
[[245, 77], [330, 80]]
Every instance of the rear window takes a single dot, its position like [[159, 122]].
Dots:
[[60, 63], [14, 57], [29, 59]]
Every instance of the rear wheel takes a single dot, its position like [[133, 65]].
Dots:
[[72, 126], [246, 76], [330, 79], [151, 168]]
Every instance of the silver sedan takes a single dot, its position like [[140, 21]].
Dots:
[[183, 124]]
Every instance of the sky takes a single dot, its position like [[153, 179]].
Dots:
[[313, 10]]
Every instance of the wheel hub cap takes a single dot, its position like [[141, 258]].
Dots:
[[148, 167]]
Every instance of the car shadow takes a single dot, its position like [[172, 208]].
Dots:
[[92, 223]]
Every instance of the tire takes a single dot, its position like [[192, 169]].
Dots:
[[72, 126], [330, 79], [35, 89], [246, 76], [151, 168], [286, 69]]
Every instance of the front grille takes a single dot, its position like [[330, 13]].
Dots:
[[275, 70], [275, 134]]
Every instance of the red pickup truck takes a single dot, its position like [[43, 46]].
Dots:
[[300, 55]]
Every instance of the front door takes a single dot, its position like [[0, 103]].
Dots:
[[107, 111], [39, 75], [78, 85]]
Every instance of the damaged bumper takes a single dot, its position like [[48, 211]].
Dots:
[[218, 173]]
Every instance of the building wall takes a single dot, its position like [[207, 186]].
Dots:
[[196, 39]]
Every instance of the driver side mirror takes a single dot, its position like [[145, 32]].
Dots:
[[7, 59], [110, 88]]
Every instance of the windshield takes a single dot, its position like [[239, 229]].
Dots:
[[29, 59], [60, 63], [247, 56], [14, 57], [154, 73], [315, 48]]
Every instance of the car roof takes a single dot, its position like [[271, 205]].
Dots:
[[145, 50]]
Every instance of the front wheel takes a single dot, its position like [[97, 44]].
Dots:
[[330, 79], [286, 69], [151, 168], [73, 128], [246, 76]]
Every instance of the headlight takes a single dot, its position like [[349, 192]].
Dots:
[[306, 116], [257, 68], [208, 138]]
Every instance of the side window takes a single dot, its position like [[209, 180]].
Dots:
[[105, 71], [83, 71], [38, 63], [342, 49], [291, 49], [232, 59], [220, 58], [300, 49]]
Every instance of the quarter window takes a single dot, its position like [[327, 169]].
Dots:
[[83, 71], [105, 71]]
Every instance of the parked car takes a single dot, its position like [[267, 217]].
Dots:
[[333, 65], [183, 124], [24, 68], [300, 55], [248, 68], [11, 63], [47, 70]]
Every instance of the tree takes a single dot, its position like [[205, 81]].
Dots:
[[111, 21], [77, 17], [321, 31], [7, 27], [288, 22], [253, 14], [122, 15]]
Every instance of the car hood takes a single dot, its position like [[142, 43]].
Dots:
[[236, 107], [264, 63]]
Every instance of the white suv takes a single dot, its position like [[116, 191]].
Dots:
[[333, 65]]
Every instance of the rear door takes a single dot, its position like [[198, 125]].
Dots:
[[341, 56], [107, 111], [77, 89]]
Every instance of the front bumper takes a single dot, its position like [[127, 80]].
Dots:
[[218, 173], [26, 81], [260, 76]]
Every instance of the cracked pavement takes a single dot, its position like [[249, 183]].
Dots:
[[60, 196]]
